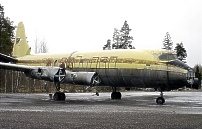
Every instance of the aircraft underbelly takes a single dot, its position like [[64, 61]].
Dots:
[[144, 78], [140, 78], [111, 77], [122, 77]]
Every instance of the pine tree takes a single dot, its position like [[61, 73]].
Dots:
[[181, 52], [6, 33], [116, 39], [121, 38], [108, 45], [126, 40], [167, 42]]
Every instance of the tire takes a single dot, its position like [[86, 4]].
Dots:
[[113, 95], [116, 95], [62, 96], [57, 96], [160, 100]]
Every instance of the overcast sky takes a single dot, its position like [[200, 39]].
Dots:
[[69, 25]]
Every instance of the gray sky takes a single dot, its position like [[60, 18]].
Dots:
[[69, 25]]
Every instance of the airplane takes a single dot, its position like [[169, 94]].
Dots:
[[159, 69]]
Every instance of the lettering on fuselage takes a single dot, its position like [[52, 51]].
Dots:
[[96, 62]]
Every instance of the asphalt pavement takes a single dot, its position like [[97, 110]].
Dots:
[[182, 110]]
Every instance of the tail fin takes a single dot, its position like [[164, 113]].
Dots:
[[21, 47]]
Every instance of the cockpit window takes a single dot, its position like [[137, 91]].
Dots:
[[167, 56]]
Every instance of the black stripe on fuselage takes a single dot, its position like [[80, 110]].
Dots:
[[142, 78]]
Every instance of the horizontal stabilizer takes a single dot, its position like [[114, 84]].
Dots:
[[6, 59]]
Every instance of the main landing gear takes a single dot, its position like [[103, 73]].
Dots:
[[115, 95], [58, 95], [59, 77], [160, 100]]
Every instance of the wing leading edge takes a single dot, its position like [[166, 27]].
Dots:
[[55, 74]]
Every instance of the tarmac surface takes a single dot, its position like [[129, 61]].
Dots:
[[182, 110]]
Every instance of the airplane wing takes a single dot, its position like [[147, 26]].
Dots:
[[55, 74], [37, 72], [15, 67]]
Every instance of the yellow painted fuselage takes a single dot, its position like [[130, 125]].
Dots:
[[117, 67]]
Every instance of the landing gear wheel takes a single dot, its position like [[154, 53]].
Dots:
[[160, 100], [97, 93], [116, 95], [113, 95], [62, 96], [57, 96]]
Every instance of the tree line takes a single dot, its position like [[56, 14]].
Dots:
[[122, 40]]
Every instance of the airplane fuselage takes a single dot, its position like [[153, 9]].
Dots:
[[119, 68], [116, 68]]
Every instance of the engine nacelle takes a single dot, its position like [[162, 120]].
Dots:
[[82, 78], [55, 74]]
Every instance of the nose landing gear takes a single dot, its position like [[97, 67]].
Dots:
[[160, 100]]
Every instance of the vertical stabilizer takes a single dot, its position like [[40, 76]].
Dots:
[[21, 47]]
